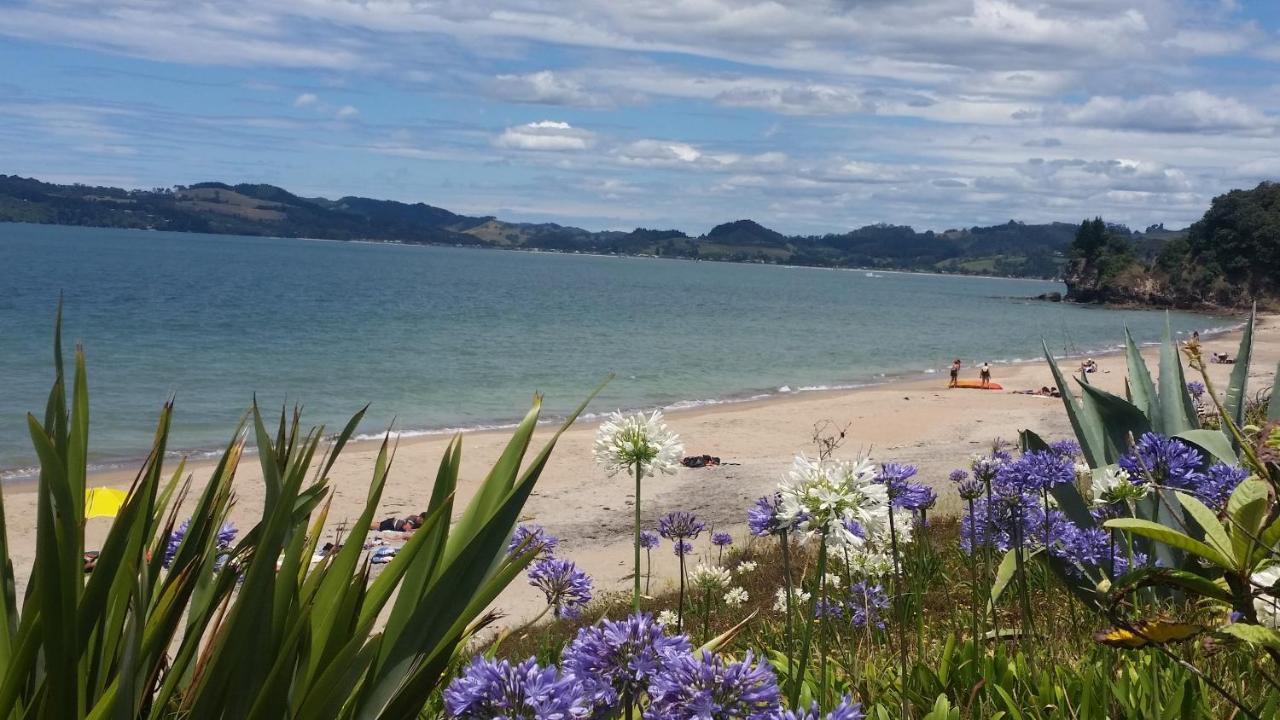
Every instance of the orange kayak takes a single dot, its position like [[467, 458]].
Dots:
[[977, 385]]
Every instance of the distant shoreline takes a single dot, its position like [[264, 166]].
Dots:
[[551, 251]]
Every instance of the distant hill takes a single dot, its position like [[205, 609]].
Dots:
[[1011, 249], [1230, 258]]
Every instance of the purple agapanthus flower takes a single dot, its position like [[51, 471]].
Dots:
[[1196, 388], [958, 476], [1169, 461], [567, 588], [1035, 471], [707, 686], [902, 493], [1065, 448], [532, 539], [680, 525], [226, 535], [490, 689], [970, 489], [681, 548], [864, 602], [615, 661], [1220, 480], [721, 539], [762, 517], [649, 539], [846, 710]]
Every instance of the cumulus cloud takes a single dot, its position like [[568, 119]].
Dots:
[[545, 135], [305, 100], [1186, 111], [346, 112]]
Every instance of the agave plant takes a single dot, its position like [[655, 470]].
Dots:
[[266, 633]]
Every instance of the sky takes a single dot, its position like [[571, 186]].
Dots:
[[809, 116]]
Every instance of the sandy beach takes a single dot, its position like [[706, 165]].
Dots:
[[915, 421]]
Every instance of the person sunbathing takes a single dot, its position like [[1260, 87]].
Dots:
[[394, 524]]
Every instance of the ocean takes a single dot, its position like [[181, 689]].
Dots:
[[438, 338]]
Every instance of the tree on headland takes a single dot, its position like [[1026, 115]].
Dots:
[[1240, 235]]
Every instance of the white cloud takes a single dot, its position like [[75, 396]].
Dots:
[[546, 88], [545, 135], [1186, 111], [346, 112], [305, 100]]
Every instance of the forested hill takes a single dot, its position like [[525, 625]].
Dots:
[[1229, 258], [1012, 249]]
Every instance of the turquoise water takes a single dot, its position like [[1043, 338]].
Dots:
[[442, 338]]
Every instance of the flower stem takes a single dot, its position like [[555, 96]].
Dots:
[[973, 574], [805, 642], [786, 582], [680, 610], [635, 598], [899, 608]]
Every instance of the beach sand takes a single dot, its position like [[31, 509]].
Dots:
[[915, 421]]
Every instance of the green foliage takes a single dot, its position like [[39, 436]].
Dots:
[[1240, 234], [260, 632]]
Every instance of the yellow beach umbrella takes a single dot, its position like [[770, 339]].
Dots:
[[103, 502]]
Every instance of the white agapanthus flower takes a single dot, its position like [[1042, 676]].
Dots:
[[623, 442], [798, 599], [735, 597], [869, 561], [709, 578], [838, 500], [668, 618], [746, 566], [1112, 484], [833, 581], [1267, 606]]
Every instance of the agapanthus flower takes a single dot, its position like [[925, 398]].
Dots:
[[970, 489], [491, 689], [846, 710], [864, 603], [798, 598], [721, 539], [709, 578], [625, 442], [958, 476], [1168, 461], [1196, 389], [1035, 471], [736, 596], [869, 560], [222, 542], [762, 517], [680, 525], [903, 493], [1220, 480], [532, 539], [1115, 485], [681, 547], [567, 588], [745, 567], [648, 539], [667, 618], [1065, 448], [819, 497], [616, 660], [708, 687], [984, 466]]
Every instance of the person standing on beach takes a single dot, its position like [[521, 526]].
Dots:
[[984, 372], [955, 372]]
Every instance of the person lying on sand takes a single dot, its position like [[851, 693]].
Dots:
[[406, 525]]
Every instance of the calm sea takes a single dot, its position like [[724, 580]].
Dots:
[[438, 338]]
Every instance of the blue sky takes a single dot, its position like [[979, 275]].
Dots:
[[809, 116]]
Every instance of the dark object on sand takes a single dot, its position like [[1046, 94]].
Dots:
[[697, 461]]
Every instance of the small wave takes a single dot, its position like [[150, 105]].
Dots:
[[784, 389]]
